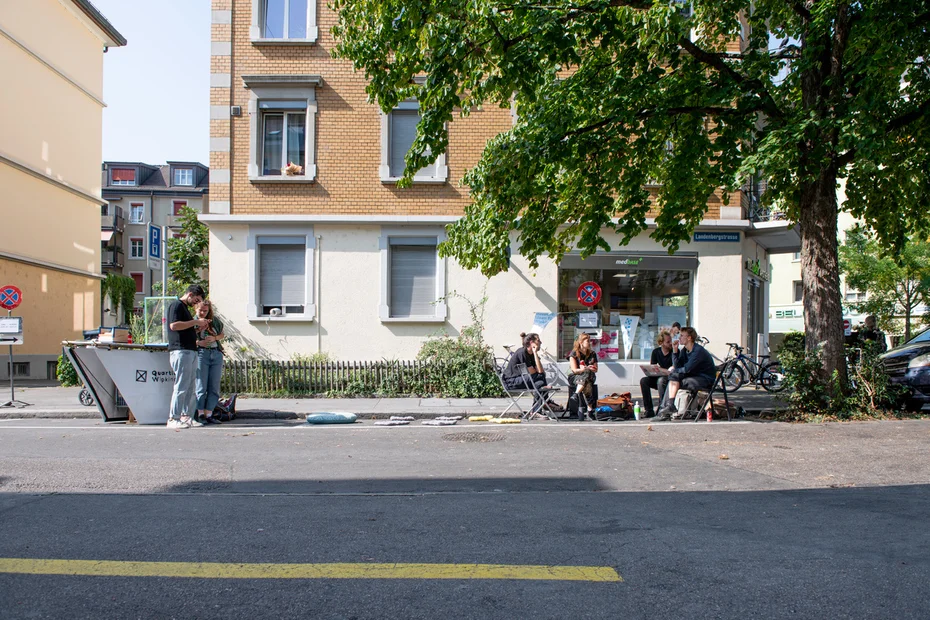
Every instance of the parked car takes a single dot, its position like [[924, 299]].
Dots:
[[909, 365]]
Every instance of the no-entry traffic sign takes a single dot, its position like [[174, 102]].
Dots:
[[10, 297], [589, 293]]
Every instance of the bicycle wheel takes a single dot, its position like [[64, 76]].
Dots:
[[771, 377], [734, 377], [86, 399]]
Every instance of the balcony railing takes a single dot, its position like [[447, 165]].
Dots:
[[113, 220], [754, 203], [111, 258]]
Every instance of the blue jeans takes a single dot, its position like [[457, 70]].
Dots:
[[209, 371], [184, 365]]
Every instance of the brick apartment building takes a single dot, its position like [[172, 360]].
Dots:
[[329, 255]]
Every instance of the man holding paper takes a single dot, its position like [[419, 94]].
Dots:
[[656, 373]]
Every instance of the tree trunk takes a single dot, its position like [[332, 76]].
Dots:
[[823, 310], [907, 319]]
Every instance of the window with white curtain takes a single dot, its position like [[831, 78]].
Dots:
[[284, 137], [283, 21], [282, 112], [136, 213]]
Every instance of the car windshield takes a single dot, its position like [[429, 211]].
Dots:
[[923, 336]]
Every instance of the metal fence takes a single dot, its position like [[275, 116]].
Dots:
[[384, 378]]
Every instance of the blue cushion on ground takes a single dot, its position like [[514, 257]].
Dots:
[[331, 418]]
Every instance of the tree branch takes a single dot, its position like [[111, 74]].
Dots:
[[716, 62]]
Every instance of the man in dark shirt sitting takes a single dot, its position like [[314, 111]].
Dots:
[[182, 347], [662, 357], [694, 369]]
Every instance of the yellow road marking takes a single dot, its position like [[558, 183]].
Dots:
[[216, 570]]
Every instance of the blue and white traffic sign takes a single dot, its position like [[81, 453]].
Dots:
[[154, 251]]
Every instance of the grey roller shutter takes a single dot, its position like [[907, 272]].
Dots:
[[413, 280], [282, 274], [403, 133]]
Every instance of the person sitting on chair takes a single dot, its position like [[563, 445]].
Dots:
[[661, 356], [528, 355], [693, 370], [583, 362]]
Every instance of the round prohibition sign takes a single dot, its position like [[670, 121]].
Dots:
[[10, 297], [589, 293]]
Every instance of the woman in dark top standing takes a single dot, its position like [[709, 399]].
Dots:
[[528, 355], [661, 356], [583, 363]]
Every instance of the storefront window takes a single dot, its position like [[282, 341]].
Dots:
[[636, 302]]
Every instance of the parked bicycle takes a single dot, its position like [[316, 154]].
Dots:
[[732, 379], [745, 369]]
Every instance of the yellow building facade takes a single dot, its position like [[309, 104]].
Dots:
[[50, 154]]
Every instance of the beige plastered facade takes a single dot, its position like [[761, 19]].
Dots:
[[50, 153]]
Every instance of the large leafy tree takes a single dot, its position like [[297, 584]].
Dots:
[[612, 93], [896, 285], [188, 254]]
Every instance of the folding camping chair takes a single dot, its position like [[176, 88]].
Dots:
[[719, 386], [514, 394], [525, 388]]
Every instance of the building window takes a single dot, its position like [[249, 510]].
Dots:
[[398, 131], [136, 247], [282, 111], [854, 295], [412, 276], [281, 273], [136, 213], [123, 176], [798, 291], [51, 370], [20, 369], [284, 140], [183, 176], [796, 257], [139, 279], [178, 205], [652, 293], [284, 21]]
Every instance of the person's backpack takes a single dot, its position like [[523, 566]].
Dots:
[[615, 406]]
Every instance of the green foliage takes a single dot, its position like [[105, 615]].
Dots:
[[869, 393], [122, 293], [188, 258], [67, 376], [320, 357], [611, 94], [896, 283], [467, 361], [137, 329], [460, 367]]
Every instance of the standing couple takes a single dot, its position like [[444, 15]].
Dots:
[[196, 358]]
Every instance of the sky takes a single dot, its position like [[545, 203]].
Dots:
[[157, 87]]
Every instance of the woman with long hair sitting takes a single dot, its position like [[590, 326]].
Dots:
[[583, 362]]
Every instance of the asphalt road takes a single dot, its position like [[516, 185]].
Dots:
[[797, 521]]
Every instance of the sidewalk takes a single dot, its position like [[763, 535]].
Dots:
[[62, 403]]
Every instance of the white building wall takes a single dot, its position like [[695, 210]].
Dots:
[[348, 327]]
